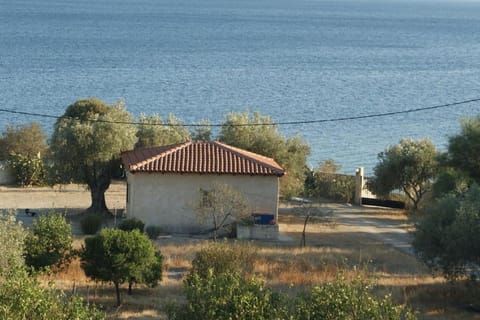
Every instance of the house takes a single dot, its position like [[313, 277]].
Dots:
[[164, 182]]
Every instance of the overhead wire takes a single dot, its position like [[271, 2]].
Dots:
[[279, 123]]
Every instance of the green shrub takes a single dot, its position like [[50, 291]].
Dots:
[[23, 297], [153, 232], [341, 300], [132, 224], [228, 296], [28, 170], [224, 258], [91, 224], [49, 244], [12, 238]]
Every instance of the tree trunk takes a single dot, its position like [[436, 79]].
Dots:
[[117, 290], [130, 284], [97, 194]]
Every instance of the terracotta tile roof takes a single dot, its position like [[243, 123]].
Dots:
[[200, 157]]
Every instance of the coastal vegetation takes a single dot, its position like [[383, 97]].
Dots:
[[441, 188]]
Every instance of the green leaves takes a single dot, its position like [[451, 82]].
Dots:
[[154, 132], [121, 256], [409, 166], [264, 138], [447, 235], [49, 244]]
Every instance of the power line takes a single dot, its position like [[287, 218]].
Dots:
[[366, 116]]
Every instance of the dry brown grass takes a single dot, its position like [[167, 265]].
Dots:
[[289, 268], [331, 248]]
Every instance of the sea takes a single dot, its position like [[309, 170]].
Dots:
[[320, 64]]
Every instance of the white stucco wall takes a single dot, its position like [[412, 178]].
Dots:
[[167, 200]]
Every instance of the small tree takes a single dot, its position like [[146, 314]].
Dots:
[[119, 256], [49, 244], [222, 205], [409, 166]]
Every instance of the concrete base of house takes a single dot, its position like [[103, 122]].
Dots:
[[258, 231]]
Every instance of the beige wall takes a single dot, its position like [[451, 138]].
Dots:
[[167, 200]]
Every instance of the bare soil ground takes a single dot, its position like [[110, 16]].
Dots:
[[339, 238]]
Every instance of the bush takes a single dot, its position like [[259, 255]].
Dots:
[[153, 232], [23, 297], [132, 224], [12, 237], [228, 296], [28, 170], [341, 300], [49, 244], [223, 258], [91, 224]]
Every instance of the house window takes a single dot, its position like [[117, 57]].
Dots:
[[128, 192]]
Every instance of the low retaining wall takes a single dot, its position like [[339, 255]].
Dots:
[[258, 231]]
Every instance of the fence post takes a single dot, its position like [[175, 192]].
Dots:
[[359, 184]]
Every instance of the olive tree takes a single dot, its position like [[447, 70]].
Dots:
[[464, 149], [86, 146], [221, 205], [447, 234], [119, 256], [257, 133], [409, 166], [154, 132]]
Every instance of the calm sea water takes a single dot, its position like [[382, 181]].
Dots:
[[292, 60]]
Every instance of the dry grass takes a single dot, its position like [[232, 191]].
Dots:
[[331, 248], [289, 268]]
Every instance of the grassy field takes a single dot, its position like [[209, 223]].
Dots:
[[285, 265]]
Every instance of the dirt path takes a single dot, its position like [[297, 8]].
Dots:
[[390, 229], [390, 226]]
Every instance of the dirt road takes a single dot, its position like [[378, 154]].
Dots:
[[389, 226]]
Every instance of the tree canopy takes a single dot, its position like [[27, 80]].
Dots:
[[447, 234], [26, 140], [154, 132], [257, 133], [464, 148], [409, 166], [86, 146], [119, 256], [49, 243]]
